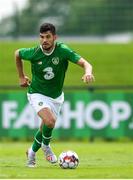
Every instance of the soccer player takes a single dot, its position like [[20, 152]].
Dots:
[[49, 62]]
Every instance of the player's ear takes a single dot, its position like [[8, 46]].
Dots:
[[55, 37]]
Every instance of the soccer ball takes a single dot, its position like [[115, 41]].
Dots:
[[68, 160]]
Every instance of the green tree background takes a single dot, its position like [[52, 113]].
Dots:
[[71, 17]]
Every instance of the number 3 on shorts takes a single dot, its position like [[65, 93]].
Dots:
[[49, 74]]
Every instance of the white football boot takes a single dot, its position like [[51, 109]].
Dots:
[[50, 156], [31, 161]]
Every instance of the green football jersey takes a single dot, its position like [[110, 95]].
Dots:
[[48, 70]]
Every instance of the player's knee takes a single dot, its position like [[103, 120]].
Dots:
[[49, 122]]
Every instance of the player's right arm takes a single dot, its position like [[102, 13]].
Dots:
[[23, 79]]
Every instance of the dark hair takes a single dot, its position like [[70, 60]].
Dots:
[[47, 27]]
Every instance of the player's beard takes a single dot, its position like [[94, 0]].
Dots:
[[48, 49]]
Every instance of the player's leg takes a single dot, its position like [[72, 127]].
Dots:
[[49, 116], [33, 149], [48, 123], [37, 141], [31, 152]]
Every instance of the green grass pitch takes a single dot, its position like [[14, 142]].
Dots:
[[112, 160]]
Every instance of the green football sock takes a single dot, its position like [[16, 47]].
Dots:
[[46, 134], [37, 141]]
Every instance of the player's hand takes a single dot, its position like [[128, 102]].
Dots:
[[24, 81], [88, 78]]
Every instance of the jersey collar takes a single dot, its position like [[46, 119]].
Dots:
[[47, 54]]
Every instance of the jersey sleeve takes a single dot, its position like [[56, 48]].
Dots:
[[72, 55], [26, 53]]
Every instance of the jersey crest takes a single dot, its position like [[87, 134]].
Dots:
[[55, 60], [40, 103]]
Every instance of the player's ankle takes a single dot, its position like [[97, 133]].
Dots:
[[45, 146], [31, 152]]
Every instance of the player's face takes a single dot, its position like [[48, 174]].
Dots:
[[47, 40]]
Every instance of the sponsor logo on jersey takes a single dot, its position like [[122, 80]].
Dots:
[[55, 60]]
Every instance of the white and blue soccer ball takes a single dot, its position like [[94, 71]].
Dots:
[[68, 160]]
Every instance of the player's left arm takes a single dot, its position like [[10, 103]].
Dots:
[[88, 75]]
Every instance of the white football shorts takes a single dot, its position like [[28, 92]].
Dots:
[[40, 101]]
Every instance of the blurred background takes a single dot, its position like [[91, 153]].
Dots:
[[99, 30], [72, 17]]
